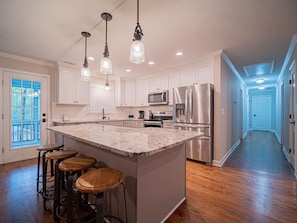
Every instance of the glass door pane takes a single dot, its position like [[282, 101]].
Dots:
[[25, 113]]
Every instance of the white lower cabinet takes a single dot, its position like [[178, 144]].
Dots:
[[133, 123]]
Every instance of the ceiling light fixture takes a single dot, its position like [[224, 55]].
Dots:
[[259, 80], [85, 74], [137, 55], [107, 83], [261, 87], [105, 64], [179, 53]]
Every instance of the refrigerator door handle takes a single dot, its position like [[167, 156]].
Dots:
[[186, 105], [191, 103]]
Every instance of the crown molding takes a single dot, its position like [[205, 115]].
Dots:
[[288, 56], [26, 59]]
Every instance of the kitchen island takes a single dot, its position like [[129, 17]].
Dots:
[[152, 160]]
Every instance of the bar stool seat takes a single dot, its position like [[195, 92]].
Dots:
[[73, 167], [97, 182], [42, 151], [57, 156]]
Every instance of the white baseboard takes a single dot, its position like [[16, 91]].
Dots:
[[220, 163]]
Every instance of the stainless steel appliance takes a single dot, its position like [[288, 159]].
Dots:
[[158, 97], [141, 114], [193, 110], [156, 118]]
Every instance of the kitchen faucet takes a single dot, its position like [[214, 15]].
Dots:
[[103, 117]]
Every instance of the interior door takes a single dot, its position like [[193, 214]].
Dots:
[[261, 112], [25, 114]]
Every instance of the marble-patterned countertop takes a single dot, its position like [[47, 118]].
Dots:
[[127, 141]]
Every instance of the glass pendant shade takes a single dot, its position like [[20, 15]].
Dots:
[[137, 55], [106, 66], [85, 74]]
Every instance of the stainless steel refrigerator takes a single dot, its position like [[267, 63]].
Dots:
[[193, 110]]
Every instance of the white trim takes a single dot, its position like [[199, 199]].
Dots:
[[26, 59], [277, 136], [228, 61], [286, 153], [288, 56], [220, 163], [173, 210]]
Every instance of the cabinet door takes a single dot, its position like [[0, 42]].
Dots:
[[173, 83], [66, 86], [82, 92], [141, 91], [188, 78], [205, 76], [158, 83], [71, 90], [130, 92]]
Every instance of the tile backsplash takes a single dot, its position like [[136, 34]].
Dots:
[[79, 112]]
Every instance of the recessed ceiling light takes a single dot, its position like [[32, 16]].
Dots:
[[151, 63], [261, 87], [179, 53], [260, 81], [128, 70], [91, 58]]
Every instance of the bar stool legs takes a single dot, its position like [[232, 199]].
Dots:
[[97, 182], [42, 151]]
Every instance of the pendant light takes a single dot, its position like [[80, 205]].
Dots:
[[137, 47], [105, 64], [85, 74]]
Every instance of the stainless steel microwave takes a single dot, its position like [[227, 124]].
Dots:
[[158, 97]]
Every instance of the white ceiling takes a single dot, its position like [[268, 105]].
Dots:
[[249, 31]]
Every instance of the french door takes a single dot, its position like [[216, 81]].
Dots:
[[25, 114]]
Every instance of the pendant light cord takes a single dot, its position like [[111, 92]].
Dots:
[[106, 52], [138, 31]]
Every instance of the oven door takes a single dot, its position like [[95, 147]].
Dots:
[[156, 124]]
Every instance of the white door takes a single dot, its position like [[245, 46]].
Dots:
[[261, 113], [25, 114]]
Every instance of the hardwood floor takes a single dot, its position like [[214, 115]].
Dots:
[[256, 184]]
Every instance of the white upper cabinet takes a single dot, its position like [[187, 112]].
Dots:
[[130, 92], [125, 92], [187, 78], [157, 83], [205, 76], [142, 89], [71, 90], [173, 83]]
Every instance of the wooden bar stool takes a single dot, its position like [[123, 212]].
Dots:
[[58, 157], [97, 182], [73, 167], [42, 151]]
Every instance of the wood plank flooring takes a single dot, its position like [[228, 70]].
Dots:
[[256, 184]]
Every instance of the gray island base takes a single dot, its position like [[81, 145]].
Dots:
[[152, 160]]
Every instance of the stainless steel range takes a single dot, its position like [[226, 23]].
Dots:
[[156, 118]]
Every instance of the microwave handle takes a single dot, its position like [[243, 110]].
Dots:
[[164, 96]]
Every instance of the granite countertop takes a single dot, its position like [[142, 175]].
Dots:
[[127, 141]]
